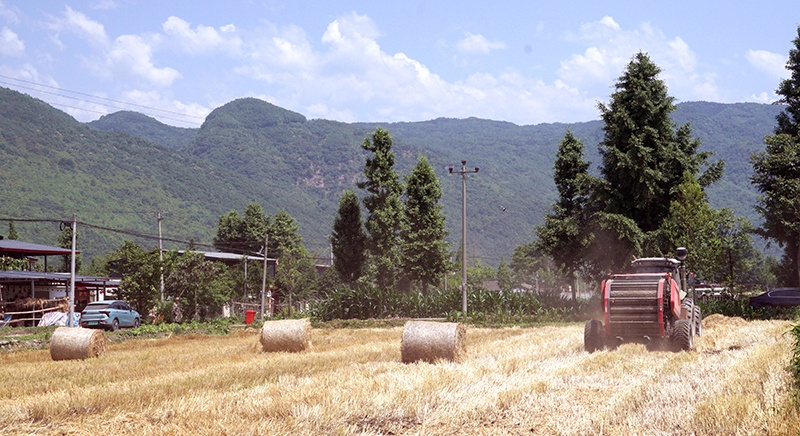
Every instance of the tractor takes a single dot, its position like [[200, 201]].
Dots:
[[650, 305]]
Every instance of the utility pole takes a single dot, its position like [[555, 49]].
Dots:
[[264, 276], [244, 294], [72, 274], [160, 256], [463, 171]]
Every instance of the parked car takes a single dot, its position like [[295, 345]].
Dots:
[[109, 315], [778, 297]]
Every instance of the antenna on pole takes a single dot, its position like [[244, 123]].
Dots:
[[463, 171]]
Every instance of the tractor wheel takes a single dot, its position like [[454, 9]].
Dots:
[[689, 307], [698, 321], [593, 336], [682, 335]]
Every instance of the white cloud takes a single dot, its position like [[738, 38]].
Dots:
[[277, 54], [763, 97], [611, 48], [201, 39], [353, 37], [351, 72], [10, 44], [132, 53], [103, 5], [9, 14], [169, 110], [478, 44], [80, 24], [773, 64], [126, 55]]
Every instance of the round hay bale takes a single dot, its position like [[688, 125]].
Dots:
[[430, 341], [77, 343], [286, 335]]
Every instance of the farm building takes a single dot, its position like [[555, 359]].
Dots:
[[25, 296]]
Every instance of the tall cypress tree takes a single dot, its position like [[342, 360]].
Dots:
[[12, 231], [348, 240], [777, 177], [564, 234], [384, 206], [644, 160], [638, 133], [776, 174], [789, 90], [424, 247]]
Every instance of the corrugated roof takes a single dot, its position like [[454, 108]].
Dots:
[[14, 248], [222, 256], [27, 276]]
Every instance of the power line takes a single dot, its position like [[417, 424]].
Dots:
[[142, 235], [198, 119]]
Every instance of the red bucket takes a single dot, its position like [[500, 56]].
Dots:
[[249, 316]]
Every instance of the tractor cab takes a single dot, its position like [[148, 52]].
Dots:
[[655, 265]]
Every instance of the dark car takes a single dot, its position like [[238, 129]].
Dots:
[[109, 315], [778, 297]]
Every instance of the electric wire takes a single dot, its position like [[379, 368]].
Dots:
[[196, 120], [141, 235]]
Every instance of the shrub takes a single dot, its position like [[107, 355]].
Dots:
[[487, 307]]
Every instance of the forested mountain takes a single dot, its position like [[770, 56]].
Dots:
[[144, 127], [250, 150]]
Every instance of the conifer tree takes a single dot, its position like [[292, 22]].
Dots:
[[12, 231], [384, 208], [644, 160], [424, 248], [348, 239], [564, 235], [789, 90], [776, 174]]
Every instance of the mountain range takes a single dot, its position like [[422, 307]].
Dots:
[[118, 172]]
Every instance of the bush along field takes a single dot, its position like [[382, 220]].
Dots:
[[483, 307]]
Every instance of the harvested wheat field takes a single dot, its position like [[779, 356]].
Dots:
[[351, 381]]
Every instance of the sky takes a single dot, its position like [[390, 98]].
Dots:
[[525, 62]]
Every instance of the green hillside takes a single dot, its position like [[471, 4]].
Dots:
[[54, 166], [142, 126], [250, 150]]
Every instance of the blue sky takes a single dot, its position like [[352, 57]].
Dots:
[[525, 62]]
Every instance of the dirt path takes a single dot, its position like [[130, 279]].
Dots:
[[511, 381]]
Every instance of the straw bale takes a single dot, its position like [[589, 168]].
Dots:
[[286, 335], [430, 341], [718, 320], [77, 343]]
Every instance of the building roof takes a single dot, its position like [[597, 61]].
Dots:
[[56, 277], [229, 257], [19, 249]]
